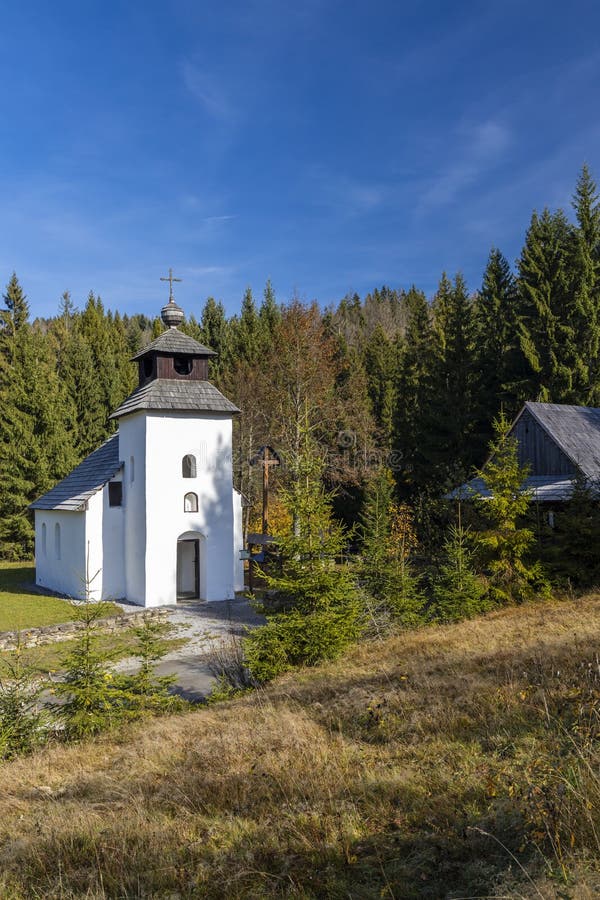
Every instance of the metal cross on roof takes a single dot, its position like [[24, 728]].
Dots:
[[170, 279]]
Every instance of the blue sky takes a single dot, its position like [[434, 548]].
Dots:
[[331, 146]]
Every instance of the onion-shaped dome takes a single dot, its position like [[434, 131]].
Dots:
[[172, 315]]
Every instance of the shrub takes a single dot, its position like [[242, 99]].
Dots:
[[22, 725], [388, 541], [144, 690], [457, 591], [92, 700]]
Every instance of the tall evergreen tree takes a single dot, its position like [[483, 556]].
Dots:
[[380, 366], [498, 354], [412, 394], [450, 418], [586, 289], [19, 451], [215, 334], [269, 315], [547, 322], [246, 331]]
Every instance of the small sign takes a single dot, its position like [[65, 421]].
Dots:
[[244, 554]]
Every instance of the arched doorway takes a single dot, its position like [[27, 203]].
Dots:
[[191, 574]]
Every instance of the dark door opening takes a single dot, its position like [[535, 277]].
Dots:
[[188, 569]]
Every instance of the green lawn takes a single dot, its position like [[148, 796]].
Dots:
[[21, 608]]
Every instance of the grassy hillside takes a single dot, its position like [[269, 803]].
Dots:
[[453, 762]]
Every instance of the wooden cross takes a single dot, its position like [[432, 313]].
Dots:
[[267, 457], [170, 279]]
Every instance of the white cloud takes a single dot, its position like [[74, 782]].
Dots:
[[208, 91], [482, 146]]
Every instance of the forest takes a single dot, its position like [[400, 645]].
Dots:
[[393, 379]]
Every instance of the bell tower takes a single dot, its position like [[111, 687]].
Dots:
[[175, 441]]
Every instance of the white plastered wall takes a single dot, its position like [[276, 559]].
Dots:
[[169, 437], [132, 452], [238, 542], [105, 546], [60, 569]]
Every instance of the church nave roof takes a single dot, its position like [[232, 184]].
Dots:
[[85, 480]]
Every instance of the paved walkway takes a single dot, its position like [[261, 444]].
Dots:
[[205, 625]]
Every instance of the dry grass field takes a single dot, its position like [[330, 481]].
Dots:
[[460, 761]]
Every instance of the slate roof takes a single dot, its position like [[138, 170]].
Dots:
[[544, 488], [175, 341], [83, 482], [170, 393], [575, 429]]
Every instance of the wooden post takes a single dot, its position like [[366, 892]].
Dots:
[[250, 571], [265, 515]]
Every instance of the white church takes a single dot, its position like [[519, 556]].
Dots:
[[153, 511]]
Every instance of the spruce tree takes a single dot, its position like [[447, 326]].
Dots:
[[451, 414], [246, 331], [388, 541], [572, 552], [498, 355], [586, 289], [315, 610], [547, 320], [412, 395], [13, 318], [215, 334], [457, 591], [507, 542], [21, 460], [380, 366], [269, 316]]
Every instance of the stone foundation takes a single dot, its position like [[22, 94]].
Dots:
[[49, 634]]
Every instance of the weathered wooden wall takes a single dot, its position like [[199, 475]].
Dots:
[[539, 450]]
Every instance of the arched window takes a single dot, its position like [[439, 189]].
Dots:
[[57, 540], [188, 466], [44, 545], [190, 502]]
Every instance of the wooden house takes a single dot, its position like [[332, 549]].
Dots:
[[558, 443]]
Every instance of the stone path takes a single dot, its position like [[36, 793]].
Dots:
[[205, 625]]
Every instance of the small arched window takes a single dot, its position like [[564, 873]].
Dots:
[[188, 466], [44, 544], [57, 540], [190, 502]]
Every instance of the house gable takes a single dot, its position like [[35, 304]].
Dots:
[[538, 449]]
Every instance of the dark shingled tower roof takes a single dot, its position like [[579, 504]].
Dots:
[[73, 492], [174, 341]]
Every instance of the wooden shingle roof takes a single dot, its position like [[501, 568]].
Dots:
[[73, 492], [174, 341], [170, 393]]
